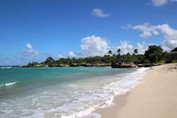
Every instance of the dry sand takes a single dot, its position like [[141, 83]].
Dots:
[[155, 98]]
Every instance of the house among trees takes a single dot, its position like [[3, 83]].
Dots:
[[122, 61], [174, 50]]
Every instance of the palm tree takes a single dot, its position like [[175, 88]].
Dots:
[[135, 51], [110, 52], [118, 51]]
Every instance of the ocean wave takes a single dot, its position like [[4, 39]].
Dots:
[[104, 98], [126, 83], [90, 100], [77, 100], [6, 67], [7, 84]]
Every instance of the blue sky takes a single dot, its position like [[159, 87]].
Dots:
[[32, 30]]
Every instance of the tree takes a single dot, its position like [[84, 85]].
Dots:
[[170, 57], [118, 51], [154, 53], [110, 52], [135, 51], [134, 56], [33, 64], [139, 59], [128, 57], [49, 60]]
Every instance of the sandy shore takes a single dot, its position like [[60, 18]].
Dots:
[[155, 98]]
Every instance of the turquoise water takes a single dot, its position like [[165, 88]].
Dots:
[[27, 80], [67, 92]]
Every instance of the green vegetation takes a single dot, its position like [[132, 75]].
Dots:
[[170, 57], [153, 55]]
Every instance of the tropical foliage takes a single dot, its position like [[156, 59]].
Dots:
[[153, 55]]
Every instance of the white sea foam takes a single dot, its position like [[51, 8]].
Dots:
[[126, 83], [7, 84], [74, 100], [101, 98], [5, 67], [120, 87]]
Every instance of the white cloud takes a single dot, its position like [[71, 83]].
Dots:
[[98, 46], [71, 54], [94, 46], [128, 48], [99, 13], [28, 45], [60, 56], [146, 28], [141, 47], [158, 3], [29, 52], [146, 34], [170, 34], [125, 47]]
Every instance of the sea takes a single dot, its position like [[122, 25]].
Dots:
[[62, 92]]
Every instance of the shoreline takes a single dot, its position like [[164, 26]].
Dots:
[[155, 98]]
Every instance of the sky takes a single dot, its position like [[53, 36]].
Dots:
[[32, 30]]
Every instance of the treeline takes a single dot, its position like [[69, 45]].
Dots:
[[153, 55]]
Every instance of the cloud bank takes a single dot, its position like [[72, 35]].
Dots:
[[158, 3], [98, 46], [126, 47], [169, 34]]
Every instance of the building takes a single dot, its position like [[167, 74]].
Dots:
[[174, 50], [122, 61]]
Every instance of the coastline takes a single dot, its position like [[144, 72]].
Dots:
[[155, 98]]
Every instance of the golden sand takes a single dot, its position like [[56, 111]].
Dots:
[[155, 98]]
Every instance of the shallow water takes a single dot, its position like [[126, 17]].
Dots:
[[67, 92]]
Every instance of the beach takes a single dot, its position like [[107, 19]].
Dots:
[[156, 97], [77, 92]]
